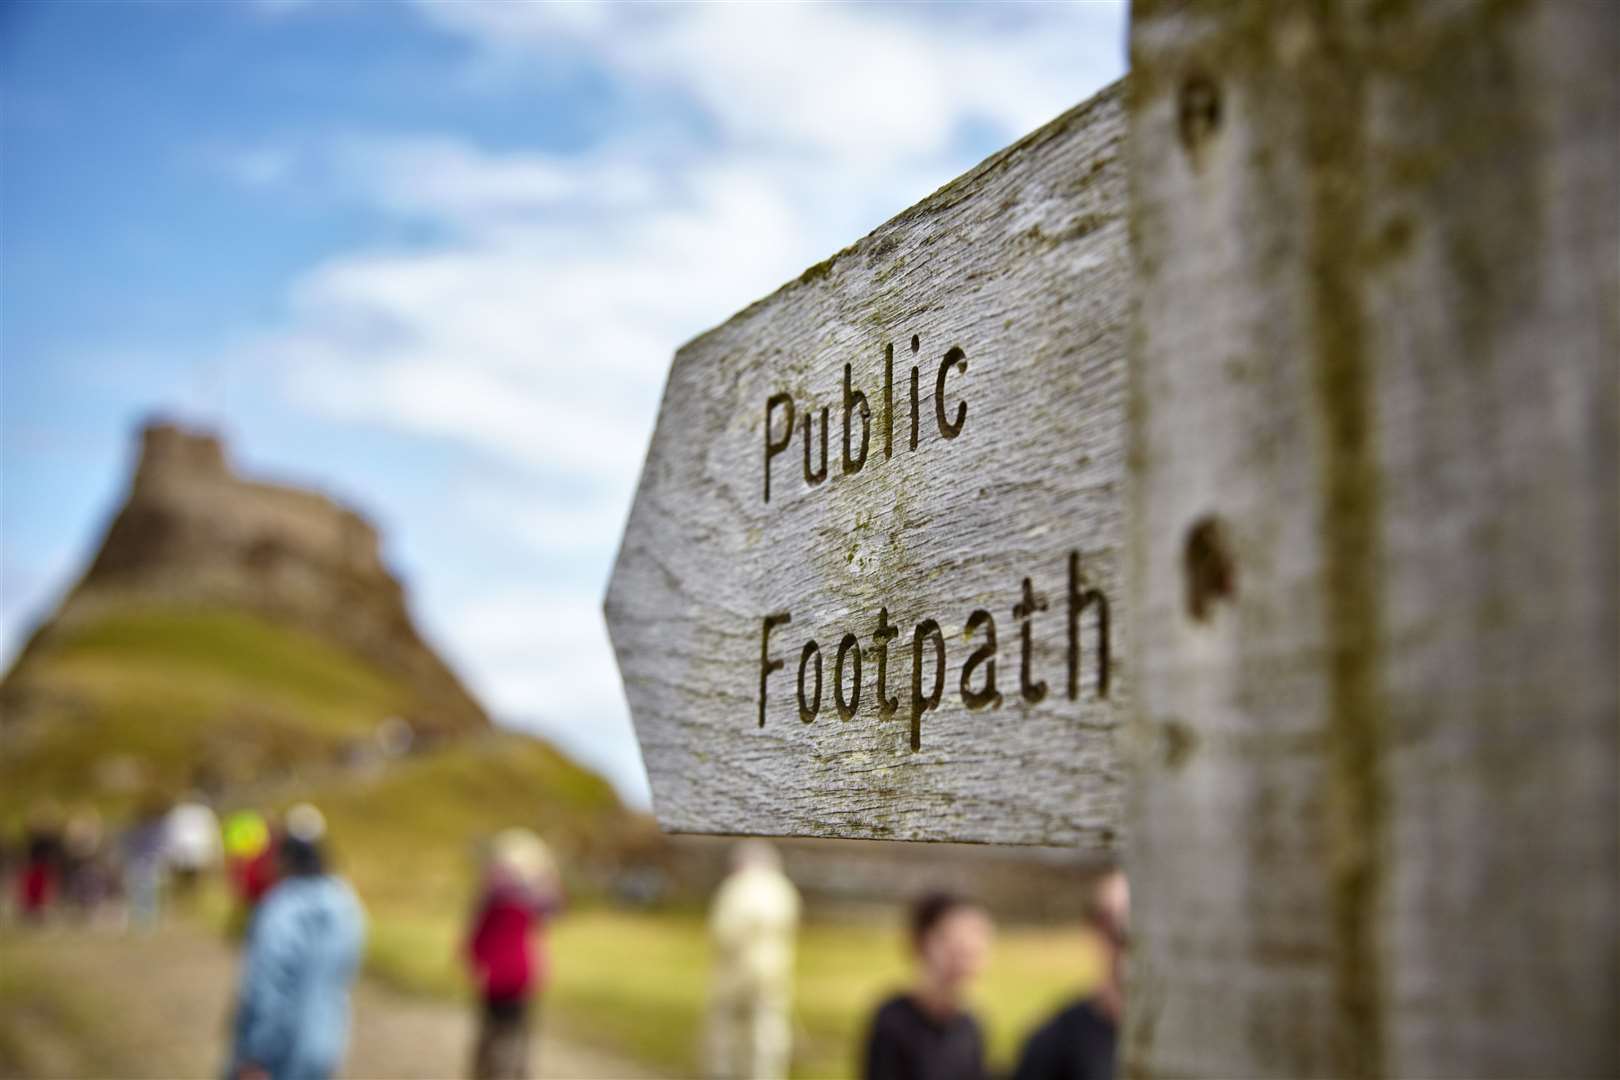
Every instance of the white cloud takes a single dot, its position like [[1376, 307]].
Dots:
[[557, 527], [444, 179], [506, 25], [547, 666], [537, 329], [830, 79], [511, 417], [538, 335]]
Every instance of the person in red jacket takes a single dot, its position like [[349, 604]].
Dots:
[[36, 885], [250, 864], [506, 949]]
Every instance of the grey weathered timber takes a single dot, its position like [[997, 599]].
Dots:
[[1374, 540], [1007, 291]]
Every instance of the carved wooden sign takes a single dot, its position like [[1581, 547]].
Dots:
[[871, 581]]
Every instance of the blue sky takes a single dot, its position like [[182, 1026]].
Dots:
[[434, 259]]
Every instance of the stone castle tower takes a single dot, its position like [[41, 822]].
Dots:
[[194, 532]]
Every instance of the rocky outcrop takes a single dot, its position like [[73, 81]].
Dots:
[[194, 532]]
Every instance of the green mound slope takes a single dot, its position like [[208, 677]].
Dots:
[[136, 702], [407, 835], [152, 700]]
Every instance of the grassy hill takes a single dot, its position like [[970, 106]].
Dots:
[[131, 702], [151, 699]]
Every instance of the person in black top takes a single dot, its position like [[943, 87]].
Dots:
[[927, 1033], [1080, 1042]]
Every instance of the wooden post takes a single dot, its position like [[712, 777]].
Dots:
[[1373, 539]]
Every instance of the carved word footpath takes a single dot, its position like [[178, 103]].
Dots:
[[977, 685]]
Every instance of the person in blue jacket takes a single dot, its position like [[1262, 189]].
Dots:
[[303, 947]]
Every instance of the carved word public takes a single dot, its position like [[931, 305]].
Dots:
[[779, 436]]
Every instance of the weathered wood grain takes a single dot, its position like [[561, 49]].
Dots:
[[1374, 539], [1022, 266]]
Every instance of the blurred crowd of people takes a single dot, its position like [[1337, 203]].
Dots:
[[927, 1031], [302, 930], [301, 926], [75, 867]]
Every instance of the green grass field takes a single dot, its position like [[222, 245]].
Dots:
[[638, 981]]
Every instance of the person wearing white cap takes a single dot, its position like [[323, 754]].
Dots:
[[752, 923], [192, 844]]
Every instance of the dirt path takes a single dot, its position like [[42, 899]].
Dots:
[[92, 1003]]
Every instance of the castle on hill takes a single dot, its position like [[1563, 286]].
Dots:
[[192, 531]]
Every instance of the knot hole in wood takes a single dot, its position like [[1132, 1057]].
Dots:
[[1208, 567], [1198, 112]]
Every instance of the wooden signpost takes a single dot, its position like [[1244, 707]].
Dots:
[[1353, 607], [1376, 554], [871, 581]]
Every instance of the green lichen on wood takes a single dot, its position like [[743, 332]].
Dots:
[[1334, 88], [817, 272]]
